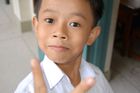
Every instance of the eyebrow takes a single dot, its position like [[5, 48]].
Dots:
[[74, 13], [79, 14]]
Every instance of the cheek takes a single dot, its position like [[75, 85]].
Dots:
[[79, 42], [42, 37], [42, 32]]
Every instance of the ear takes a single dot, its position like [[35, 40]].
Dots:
[[35, 23], [95, 32]]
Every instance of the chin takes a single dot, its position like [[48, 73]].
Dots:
[[58, 59]]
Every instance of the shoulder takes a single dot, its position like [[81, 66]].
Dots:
[[25, 85], [89, 69], [102, 85], [92, 67], [99, 74]]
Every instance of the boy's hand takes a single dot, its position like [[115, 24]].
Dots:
[[84, 85], [39, 83]]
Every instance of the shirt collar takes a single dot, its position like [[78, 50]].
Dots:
[[51, 71]]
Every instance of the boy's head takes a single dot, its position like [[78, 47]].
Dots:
[[96, 6], [63, 27]]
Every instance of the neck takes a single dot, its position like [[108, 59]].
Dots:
[[71, 69]]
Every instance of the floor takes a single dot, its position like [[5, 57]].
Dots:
[[125, 74], [16, 50]]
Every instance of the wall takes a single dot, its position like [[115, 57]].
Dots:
[[111, 35], [23, 10]]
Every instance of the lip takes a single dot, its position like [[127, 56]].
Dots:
[[58, 48]]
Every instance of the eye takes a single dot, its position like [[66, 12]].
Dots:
[[49, 20], [74, 24]]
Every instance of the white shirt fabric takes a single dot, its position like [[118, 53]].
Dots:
[[58, 82]]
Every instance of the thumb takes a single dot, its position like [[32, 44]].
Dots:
[[84, 85]]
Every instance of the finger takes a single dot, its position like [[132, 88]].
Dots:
[[39, 83], [84, 85]]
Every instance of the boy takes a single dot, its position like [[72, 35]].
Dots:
[[62, 28]]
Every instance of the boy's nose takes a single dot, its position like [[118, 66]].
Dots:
[[60, 36], [60, 31]]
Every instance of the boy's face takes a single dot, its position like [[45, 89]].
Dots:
[[63, 28]]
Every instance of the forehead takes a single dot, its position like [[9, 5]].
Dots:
[[77, 4], [65, 1], [67, 6]]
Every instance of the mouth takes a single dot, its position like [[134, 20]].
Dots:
[[58, 48]]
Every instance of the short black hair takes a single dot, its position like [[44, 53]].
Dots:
[[97, 7]]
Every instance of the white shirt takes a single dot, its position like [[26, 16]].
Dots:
[[58, 82]]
